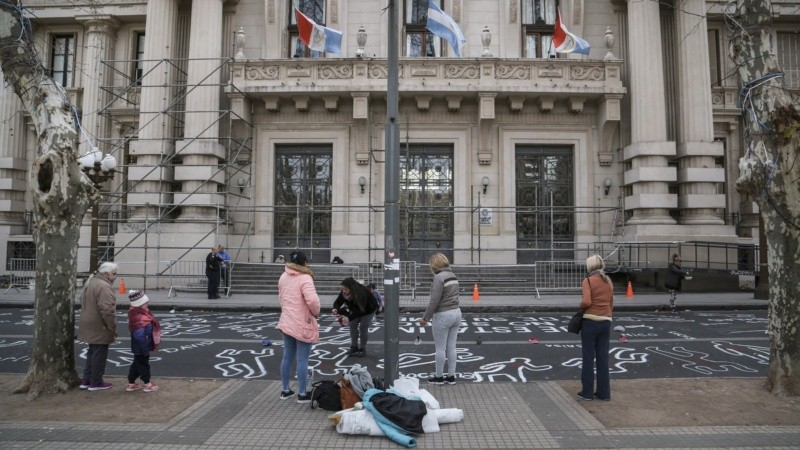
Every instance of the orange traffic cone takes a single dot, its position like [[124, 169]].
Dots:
[[122, 289], [629, 294], [475, 294]]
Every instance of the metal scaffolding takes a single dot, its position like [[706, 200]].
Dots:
[[122, 111]]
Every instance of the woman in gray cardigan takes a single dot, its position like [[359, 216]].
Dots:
[[443, 309]]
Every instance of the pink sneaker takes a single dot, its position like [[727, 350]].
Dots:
[[150, 387], [133, 387]]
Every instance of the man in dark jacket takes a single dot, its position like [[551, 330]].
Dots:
[[98, 325], [212, 273], [674, 277]]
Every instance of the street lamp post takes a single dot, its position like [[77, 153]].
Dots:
[[98, 169]]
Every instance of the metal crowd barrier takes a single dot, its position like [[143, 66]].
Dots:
[[23, 271], [190, 276]]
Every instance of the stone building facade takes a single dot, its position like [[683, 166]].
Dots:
[[227, 129]]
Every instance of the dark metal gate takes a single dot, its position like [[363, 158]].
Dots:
[[545, 201], [303, 201], [426, 202]]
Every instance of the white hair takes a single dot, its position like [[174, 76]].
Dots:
[[108, 267]]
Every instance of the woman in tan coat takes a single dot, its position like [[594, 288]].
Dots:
[[98, 325]]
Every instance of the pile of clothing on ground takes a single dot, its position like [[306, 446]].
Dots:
[[399, 413]]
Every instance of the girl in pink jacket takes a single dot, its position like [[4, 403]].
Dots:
[[298, 322]]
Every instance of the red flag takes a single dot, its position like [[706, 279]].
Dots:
[[305, 27]]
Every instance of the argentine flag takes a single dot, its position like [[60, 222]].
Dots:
[[445, 27], [316, 37]]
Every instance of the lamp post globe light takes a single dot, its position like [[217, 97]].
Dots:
[[98, 169]]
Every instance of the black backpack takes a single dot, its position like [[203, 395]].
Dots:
[[325, 394]]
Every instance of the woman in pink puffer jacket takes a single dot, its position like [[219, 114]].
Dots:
[[298, 323]]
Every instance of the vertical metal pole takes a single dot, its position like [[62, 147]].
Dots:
[[158, 239], [146, 233], [391, 277], [762, 288], [297, 219], [472, 223], [93, 240], [552, 242], [479, 230]]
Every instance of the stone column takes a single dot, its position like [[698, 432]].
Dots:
[[698, 177], [13, 163], [649, 175], [100, 36], [151, 181], [200, 150]]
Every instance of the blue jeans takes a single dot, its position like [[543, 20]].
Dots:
[[445, 333], [291, 348], [595, 336]]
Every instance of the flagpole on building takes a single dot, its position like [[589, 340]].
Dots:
[[391, 274]]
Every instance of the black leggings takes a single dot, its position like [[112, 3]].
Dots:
[[140, 368]]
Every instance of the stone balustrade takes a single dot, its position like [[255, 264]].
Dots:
[[558, 77]]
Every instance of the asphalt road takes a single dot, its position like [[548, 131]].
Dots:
[[491, 347]]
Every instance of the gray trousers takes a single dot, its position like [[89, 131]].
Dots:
[[360, 327], [673, 297], [445, 333]]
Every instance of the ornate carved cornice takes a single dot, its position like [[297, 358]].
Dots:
[[444, 76], [454, 82]]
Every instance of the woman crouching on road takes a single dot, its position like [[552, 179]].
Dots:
[[358, 305], [598, 303]]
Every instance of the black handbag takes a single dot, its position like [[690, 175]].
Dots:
[[575, 322]]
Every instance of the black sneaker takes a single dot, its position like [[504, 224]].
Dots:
[[436, 380], [286, 394], [585, 399], [304, 398], [450, 379], [601, 398]]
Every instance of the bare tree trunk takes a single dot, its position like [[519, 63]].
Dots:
[[770, 172], [61, 195]]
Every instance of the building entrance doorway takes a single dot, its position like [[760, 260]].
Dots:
[[303, 201], [545, 203], [426, 202]]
